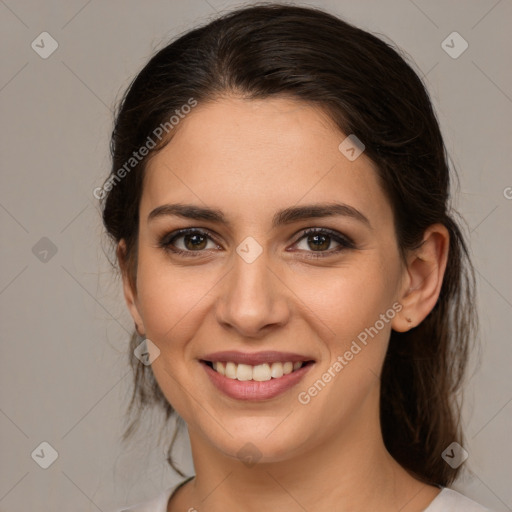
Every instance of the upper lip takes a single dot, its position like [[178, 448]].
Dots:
[[255, 358]]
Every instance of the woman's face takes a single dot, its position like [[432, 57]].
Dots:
[[251, 284]]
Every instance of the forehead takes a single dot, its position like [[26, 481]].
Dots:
[[250, 157]]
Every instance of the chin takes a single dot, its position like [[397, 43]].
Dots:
[[258, 445]]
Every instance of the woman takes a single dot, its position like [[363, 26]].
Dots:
[[301, 293]]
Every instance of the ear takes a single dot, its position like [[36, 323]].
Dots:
[[129, 287], [423, 278]]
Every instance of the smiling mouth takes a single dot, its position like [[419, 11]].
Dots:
[[259, 373]]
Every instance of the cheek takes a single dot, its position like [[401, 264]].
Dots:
[[358, 307], [355, 297], [170, 297]]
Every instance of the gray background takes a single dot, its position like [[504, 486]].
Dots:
[[64, 375]]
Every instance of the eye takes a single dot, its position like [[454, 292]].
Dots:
[[193, 241], [320, 239]]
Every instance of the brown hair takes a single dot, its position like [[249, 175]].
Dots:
[[369, 90]]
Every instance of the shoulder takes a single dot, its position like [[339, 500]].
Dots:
[[157, 504], [449, 500]]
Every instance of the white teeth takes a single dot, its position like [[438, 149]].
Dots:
[[244, 372], [230, 370], [218, 366], [287, 368], [276, 370], [259, 373]]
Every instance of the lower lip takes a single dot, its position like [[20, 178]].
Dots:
[[255, 390]]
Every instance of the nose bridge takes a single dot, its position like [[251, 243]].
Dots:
[[250, 299]]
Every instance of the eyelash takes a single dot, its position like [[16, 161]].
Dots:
[[345, 243]]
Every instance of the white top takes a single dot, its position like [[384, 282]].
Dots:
[[447, 500]]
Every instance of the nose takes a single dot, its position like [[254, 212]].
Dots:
[[252, 299]]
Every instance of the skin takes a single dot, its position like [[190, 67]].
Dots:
[[251, 158]]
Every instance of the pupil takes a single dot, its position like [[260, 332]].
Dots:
[[323, 245], [188, 238]]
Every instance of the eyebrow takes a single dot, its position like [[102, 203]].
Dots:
[[282, 217]]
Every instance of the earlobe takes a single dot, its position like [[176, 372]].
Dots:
[[425, 270], [129, 288]]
